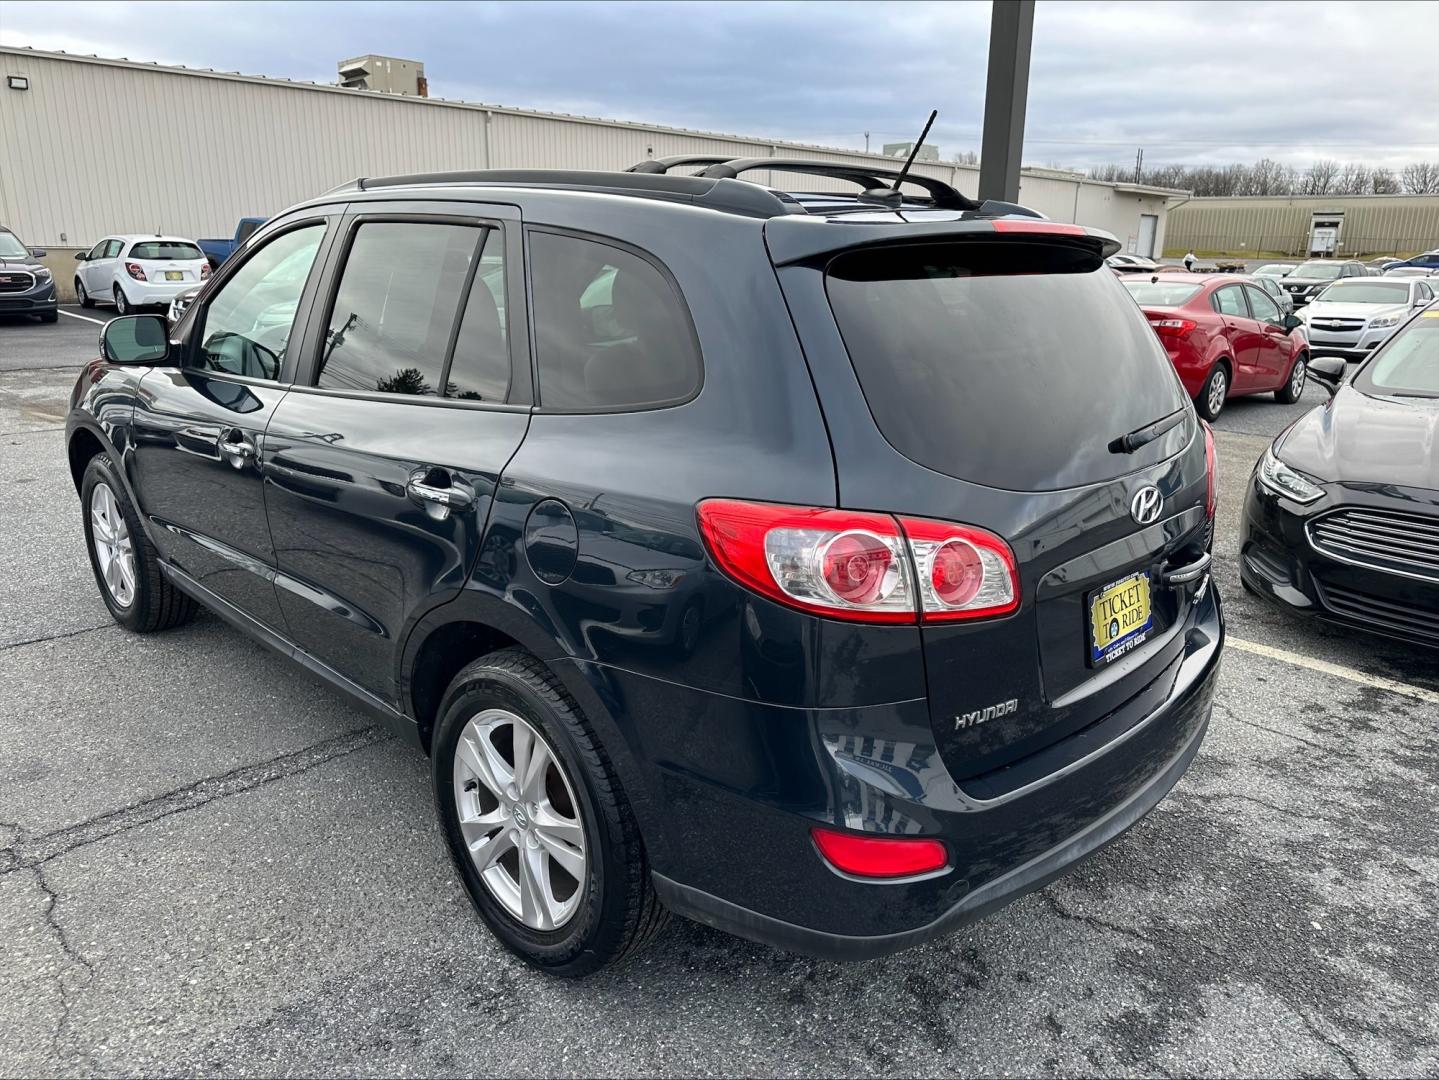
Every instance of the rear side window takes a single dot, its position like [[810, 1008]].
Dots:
[[395, 309], [164, 249], [611, 331], [1014, 364]]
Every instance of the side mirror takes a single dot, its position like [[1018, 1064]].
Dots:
[[1292, 322], [1328, 371], [81, 256], [135, 339], [39, 253]]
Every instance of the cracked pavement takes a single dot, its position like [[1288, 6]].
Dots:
[[211, 865]]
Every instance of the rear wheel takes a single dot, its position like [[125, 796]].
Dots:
[[126, 565], [1293, 389], [539, 828], [122, 303], [81, 295], [1209, 403]]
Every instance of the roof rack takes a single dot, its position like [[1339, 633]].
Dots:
[[866, 176], [679, 161]]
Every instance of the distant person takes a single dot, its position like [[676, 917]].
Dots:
[[1189, 261]]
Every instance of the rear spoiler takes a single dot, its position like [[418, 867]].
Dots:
[[799, 239]]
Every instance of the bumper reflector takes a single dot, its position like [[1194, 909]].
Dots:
[[879, 856]]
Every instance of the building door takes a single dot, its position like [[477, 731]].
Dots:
[[1148, 227], [1324, 232]]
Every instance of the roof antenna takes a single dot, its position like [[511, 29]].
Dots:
[[890, 196]]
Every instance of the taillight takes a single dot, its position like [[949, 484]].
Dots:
[[204, 271], [879, 856], [135, 270], [1172, 327], [1211, 464], [1025, 225], [861, 566]]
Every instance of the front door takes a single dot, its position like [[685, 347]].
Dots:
[[200, 428], [381, 469], [1272, 364]]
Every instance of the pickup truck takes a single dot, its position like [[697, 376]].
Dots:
[[217, 251]]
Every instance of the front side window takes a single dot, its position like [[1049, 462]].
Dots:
[[1230, 301], [1265, 309], [395, 309], [611, 331], [247, 323]]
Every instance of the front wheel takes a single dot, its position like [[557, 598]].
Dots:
[[1293, 389], [1210, 401], [540, 831]]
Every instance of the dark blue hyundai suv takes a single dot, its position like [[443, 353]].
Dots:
[[828, 568]]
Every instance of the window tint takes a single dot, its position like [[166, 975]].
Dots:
[[610, 330], [165, 249], [1265, 309], [245, 230], [480, 370], [247, 323], [962, 377], [395, 309], [1230, 301]]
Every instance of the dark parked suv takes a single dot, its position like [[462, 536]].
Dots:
[[829, 569]]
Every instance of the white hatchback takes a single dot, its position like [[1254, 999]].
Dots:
[[137, 271]]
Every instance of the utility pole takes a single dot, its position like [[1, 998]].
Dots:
[[1011, 35], [866, 142], [1138, 164]]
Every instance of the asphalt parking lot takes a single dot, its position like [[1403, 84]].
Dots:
[[209, 864]]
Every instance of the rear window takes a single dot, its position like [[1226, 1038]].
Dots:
[[1013, 363], [1161, 293], [165, 249]]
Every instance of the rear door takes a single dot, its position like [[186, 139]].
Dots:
[[987, 381], [200, 428], [382, 463], [1246, 338]]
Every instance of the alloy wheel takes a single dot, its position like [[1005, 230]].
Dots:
[[1297, 377], [114, 550], [519, 819], [1218, 384]]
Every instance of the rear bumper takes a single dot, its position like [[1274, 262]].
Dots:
[[743, 783], [143, 293]]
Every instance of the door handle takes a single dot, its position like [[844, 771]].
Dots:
[[237, 447], [439, 492]]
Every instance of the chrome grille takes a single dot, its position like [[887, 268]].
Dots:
[[16, 281], [1389, 540], [1337, 324]]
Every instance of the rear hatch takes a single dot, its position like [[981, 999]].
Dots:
[[975, 375]]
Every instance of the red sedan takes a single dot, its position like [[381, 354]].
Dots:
[[1225, 336]]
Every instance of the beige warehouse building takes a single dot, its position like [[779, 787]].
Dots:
[[96, 146], [1302, 225]]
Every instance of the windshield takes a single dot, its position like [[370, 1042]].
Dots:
[[11, 248], [165, 249], [1275, 269], [1410, 365], [1015, 362], [1366, 292], [1316, 272], [1161, 293]]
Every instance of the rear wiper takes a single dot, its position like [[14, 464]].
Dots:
[[1127, 444]]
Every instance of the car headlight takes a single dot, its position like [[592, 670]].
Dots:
[[1387, 320], [42, 275], [1282, 480]]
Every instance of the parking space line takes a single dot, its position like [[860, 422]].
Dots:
[[1418, 693], [86, 318]]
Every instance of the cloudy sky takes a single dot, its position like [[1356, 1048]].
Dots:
[[1188, 81]]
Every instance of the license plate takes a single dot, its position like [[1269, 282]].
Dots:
[[1120, 618], [174, 275]]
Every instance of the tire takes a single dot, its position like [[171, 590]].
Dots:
[[122, 302], [150, 602], [1293, 388], [1209, 402], [611, 913], [49, 316], [81, 295]]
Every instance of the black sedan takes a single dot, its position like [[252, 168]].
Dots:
[[1341, 517]]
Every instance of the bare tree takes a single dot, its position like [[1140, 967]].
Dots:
[[1353, 179], [1319, 178], [1421, 178], [1382, 181]]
